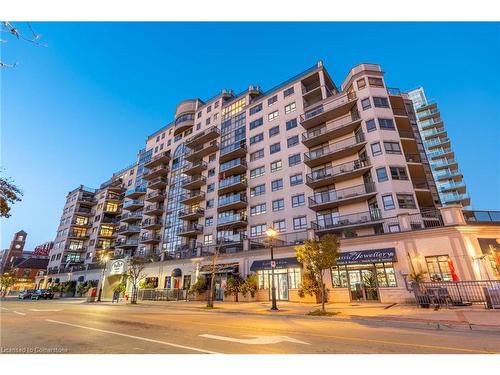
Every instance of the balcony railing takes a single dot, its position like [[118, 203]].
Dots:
[[198, 212], [231, 164], [150, 238], [232, 181], [332, 196], [420, 184], [203, 136], [356, 219], [157, 182], [136, 191], [190, 229], [223, 201], [330, 172], [451, 186], [436, 142], [127, 242], [334, 148], [199, 164], [233, 147], [230, 239], [129, 229], [393, 91], [413, 158], [482, 216], [162, 157], [131, 215], [194, 195], [133, 203], [333, 103], [448, 174], [453, 197], [230, 219], [331, 127]]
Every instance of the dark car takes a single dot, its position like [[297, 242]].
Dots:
[[42, 293], [25, 294]]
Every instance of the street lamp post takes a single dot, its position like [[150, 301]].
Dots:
[[105, 260], [271, 233]]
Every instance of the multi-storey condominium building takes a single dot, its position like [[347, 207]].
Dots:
[[449, 179]]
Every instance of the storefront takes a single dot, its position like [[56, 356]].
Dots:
[[286, 276], [490, 247], [222, 272], [364, 272]]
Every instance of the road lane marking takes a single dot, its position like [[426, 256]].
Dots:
[[134, 337], [4, 308], [256, 340], [18, 313], [45, 309]]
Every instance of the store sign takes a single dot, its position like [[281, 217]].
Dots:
[[278, 263], [117, 267], [367, 256]]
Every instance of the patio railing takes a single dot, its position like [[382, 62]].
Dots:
[[162, 294]]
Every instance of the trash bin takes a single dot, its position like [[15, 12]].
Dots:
[[91, 294]]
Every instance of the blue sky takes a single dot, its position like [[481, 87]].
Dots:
[[81, 108]]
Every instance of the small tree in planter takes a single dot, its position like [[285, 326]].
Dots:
[[199, 287], [135, 275], [233, 286], [69, 288], [251, 285], [82, 288]]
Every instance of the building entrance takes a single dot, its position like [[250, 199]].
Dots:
[[363, 285]]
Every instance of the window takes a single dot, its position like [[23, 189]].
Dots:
[[439, 268], [392, 148], [298, 200], [274, 148], [258, 230], [388, 202], [296, 179], [258, 190], [258, 209], [386, 277], [210, 203], [211, 158], [210, 188], [288, 92], [290, 124], [370, 125], [382, 174], [259, 154], [256, 123], [380, 102], [209, 221], [365, 103], [277, 184], [207, 121], [209, 109], [361, 83], [290, 107], [279, 225], [292, 141], [198, 115], [406, 201], [257, 138], [271, 116], [278, 204], [256, 109], [375, 82], [376, 150], [275, 130], [272, 100], [211, 172], [216, 105], [208, 239], [300, 222], [398, 173], [276, 166], [257, 172], [394, 228], [386, 123], [294, 160]]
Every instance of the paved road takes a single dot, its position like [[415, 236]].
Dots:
[[70, 326]]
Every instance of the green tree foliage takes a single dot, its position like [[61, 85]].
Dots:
[[6, 281], [251, 285], [9, 194], [233, 286], [200, 286]]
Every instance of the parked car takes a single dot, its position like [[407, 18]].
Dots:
[[42, 293], [25, 294]]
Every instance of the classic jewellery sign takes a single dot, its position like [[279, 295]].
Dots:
[[367, 256], [279, 263], [117, 267]]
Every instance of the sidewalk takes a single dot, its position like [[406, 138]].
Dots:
[[469, 318]]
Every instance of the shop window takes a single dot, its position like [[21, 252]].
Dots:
[[168, 282], [186, 282], [439, 268]]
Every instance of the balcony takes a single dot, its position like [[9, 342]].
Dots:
[[106, 233], [399, 112], [85, 211], [236, 150], [231, 239], [431, 134], [195, 167], [413, 158], [130, 217], [232, 221], [406, 134], [205, 136], [86, 200], [160, 158], [339, 223], [82, 235], [154, 209], [136, 192], [202, 150], [423, 115], [233, 202], [156, 196], [194, 182], [183, 123], [232, 184], [235, 166], [442, 142], [127, 230], [335, 151], [431, 123], [133, 205], [191, 213], [192, 197], [338, 128], [452, 198], [152, 224], [81, 223], [158, 183], [441, 152], [458, 187], [331, 108], [420, 184], [444, 163], [334, 198], [191, 230], [150, 238], [329, 175], [114, 197], [455, 174], [159, 170]]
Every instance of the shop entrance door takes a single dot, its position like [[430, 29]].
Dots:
[[363, 285], [281, 285]]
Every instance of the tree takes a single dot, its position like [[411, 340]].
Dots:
[[234, 286], [135, 275], [6, 281], [199, 286], [9, 194], [251, 285], [16, 33], [317, 256]]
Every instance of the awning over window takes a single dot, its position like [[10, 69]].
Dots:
[[280, 263], [220, 268], [367, 256], [176, 272]]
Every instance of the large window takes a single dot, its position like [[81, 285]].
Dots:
[[398, 173], [258, 209], [386, 277], [290, 124], [256, 123], [265, 282], [300, 222], [274, 148], [259, 154], [406, 201], [258, 230], [290, 107], [380, 102], [271, 116], [257, 138], [439, 268], [257, 172], [258, 190], [278, 204], [275, 130]]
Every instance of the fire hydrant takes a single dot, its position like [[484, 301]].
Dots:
[[126, 297]]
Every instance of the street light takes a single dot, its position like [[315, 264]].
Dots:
[[271, 234], [104, 259]]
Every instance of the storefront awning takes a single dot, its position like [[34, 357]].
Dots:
[[280, 263], [367, 256], [220, 268], [176, 272]]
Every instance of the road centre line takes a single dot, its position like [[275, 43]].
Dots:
[[4, 308], [134, 337], [18, 313]]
